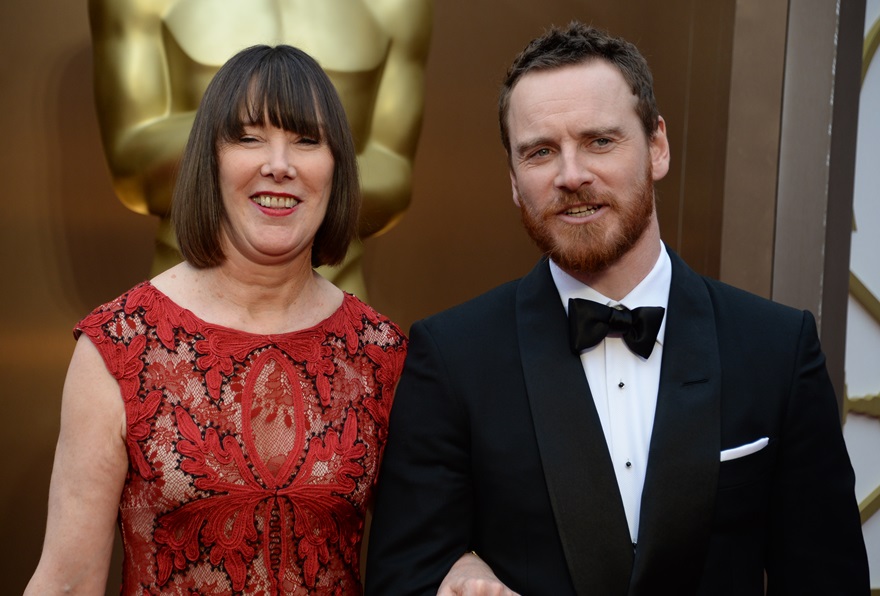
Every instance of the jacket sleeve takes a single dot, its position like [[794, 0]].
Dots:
[[423, 511], [815, 535]]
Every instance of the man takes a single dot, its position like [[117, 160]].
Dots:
[[154, 59], [691, 451]]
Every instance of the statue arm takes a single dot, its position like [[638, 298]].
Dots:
[[143, 137], [387, 158]]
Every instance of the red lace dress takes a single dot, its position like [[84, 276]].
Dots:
[[251, 457]]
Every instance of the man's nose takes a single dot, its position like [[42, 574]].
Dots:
[[574, 170]]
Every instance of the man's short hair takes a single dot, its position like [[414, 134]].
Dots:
[[262, 85], [578, 44]]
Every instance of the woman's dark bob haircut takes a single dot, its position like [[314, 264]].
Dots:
[[281, 86]]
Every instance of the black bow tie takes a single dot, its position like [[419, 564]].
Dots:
[[589, 322]]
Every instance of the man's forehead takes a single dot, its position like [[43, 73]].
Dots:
[[594, 88], [593, 75]]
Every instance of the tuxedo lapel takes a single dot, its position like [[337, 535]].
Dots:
[[577, 467], [680, 484]]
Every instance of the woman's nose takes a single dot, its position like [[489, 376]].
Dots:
[[279, 162]]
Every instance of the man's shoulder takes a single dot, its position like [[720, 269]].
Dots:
[[730, 301], [499, 299], [732, 295], [740, 309], [486, 313]]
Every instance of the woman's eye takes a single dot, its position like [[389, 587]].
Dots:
[[308, 141], [247, 139]]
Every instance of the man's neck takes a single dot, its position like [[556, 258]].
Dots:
[[621, 277]]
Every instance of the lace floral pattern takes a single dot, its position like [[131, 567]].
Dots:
[[251, 457]]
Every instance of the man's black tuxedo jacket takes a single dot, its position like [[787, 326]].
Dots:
[[495, 446]]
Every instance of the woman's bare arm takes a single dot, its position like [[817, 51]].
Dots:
[[87, 479]]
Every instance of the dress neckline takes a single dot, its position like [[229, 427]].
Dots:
[[346, 301]]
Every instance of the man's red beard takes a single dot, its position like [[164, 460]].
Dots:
[[595, 246]]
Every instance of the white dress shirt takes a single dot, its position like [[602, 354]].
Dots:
[[624, 385]]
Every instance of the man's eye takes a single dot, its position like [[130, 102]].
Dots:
[[542, 152], [603, 142]]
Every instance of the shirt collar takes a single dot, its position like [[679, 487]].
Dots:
[[653, 290]]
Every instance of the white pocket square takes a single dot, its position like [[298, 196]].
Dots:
[[744, 450]]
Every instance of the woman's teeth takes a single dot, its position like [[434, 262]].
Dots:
[[275, 202]]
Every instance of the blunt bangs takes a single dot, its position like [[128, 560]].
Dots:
[[275, 95]]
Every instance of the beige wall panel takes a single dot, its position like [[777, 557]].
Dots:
[[749, 220]]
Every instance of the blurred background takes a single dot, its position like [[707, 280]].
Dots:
[[772, 114]]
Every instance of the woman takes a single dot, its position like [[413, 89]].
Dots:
[[232, 411]]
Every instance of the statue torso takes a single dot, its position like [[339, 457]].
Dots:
[[342, 35]]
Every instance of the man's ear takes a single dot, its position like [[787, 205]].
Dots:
[[659, 146]]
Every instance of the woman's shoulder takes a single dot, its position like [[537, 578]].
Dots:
[[357, 311], [106, 311], [133, 313]]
